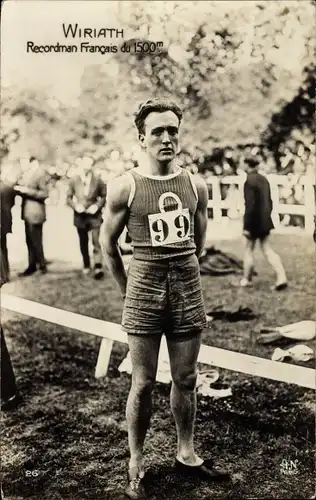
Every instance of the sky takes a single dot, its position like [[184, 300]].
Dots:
[[41, 22]]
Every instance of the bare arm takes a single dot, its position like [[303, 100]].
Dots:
[[102, 194], [115, 216], [201, 217]]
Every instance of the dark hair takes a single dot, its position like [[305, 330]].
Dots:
[[252, 162], [158, 105], [32, 158]]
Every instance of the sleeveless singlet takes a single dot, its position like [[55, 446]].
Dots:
[[161, 215]]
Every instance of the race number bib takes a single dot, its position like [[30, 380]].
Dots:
[[169, 227]]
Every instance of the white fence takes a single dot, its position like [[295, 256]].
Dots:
[[109, 332], [300, 189]]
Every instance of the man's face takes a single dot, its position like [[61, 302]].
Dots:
[[161, 136], [33, 165], [86, 164]]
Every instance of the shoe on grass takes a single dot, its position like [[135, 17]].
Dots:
[[280, 286], [28, 272], [12, 403], [135, 488], [98, 273], [244, 282], [207, 471]]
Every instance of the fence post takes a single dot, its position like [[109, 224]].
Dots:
[[217, 199], [275, 201], [309, 201], [101, 368]]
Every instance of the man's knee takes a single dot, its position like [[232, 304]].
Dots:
[[96, 240], [266, 249], [96, 247], [185, 381], [142, 385]]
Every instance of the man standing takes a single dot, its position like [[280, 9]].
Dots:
[[7, 196], [86, 196], [34, 190], [258, 224], [165, 210], [10, 397]]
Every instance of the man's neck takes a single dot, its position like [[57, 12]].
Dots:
[[85, 174], [152, 167]]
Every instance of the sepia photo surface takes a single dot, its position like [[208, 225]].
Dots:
[[157, 249]]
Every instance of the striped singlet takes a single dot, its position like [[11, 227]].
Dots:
[[161, 215]]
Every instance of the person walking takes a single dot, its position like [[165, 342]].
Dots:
[[257, 225]]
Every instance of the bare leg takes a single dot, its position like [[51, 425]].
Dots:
[[97, 252], [144, 350], [248, 260], [183, 364], [274, 260]]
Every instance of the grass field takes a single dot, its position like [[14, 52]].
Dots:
[[71, 434]]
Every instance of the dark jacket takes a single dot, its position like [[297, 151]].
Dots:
[[33, 201], [258, 205], [7, 196], [4, 278], [96, 196]]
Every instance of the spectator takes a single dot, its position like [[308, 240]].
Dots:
[[86, 196], [10, 397], [258, 224], [7, 193], [33, 188]]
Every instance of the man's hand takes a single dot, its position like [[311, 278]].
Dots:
[[79, 208], [92, 209], [21, 189], [246, 234]]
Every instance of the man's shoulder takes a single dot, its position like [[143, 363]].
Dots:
[[5, 187], [74, 179], [254, 177], [41, 173], [200, 183], [119, 188], [97, 176]]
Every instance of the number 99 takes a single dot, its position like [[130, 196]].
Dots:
[[161, 229]]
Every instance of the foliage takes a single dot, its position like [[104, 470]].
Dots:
[[237, 71]]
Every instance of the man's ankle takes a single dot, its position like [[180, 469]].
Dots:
[[136, 462], [189, 458]]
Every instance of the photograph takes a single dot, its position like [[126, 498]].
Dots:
[[157, 257]]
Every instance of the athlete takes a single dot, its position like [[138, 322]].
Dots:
[[164, 208], [257, 225]]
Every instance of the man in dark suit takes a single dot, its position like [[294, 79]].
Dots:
[[10, 397], [258, 224], [33, 189], [86, 196], [7, 195]]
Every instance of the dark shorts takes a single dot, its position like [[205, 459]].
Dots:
[[164, 297], [257, 235]]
